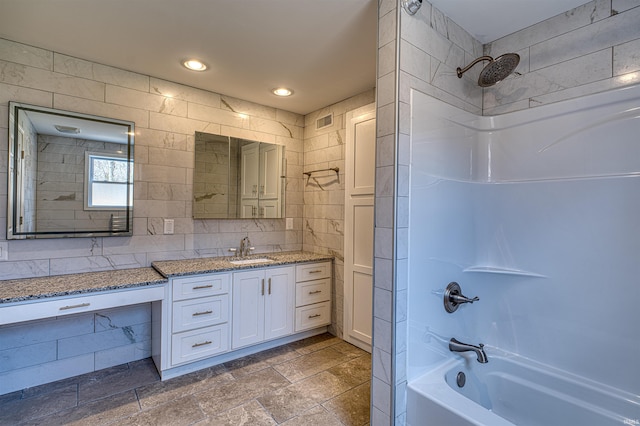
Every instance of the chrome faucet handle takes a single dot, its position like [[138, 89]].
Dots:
[[459, 298], [453, 297]]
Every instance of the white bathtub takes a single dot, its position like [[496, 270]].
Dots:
[[509, 390]]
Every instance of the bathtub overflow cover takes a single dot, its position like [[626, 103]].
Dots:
[[461, 379]]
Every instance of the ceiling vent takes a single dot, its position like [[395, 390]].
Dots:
[[325, 121]]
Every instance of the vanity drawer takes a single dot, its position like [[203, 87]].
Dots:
[[202, 312], [313, 316], [313, 271], [201, 343], [200, 286], [309, 292]]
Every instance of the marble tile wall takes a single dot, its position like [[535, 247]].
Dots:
[[167, 115], [589, 49], [323, 222], [53, 349]]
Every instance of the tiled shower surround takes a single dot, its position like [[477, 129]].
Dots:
[[592, 48], [166, 117]]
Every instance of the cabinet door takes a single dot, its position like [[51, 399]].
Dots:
[[269, 209], [249, 208], [249, 170], [270, 171], [248, 308], [279, 302]]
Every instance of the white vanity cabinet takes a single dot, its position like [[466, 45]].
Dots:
[[313, 295], [263, 305], [200, 307]]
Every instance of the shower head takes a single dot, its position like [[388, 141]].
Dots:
[[411, 6], [496, 70]]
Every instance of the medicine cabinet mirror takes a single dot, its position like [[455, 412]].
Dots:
[[237, 178], [69, 174]]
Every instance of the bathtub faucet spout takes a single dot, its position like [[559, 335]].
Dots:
[[456, 346]]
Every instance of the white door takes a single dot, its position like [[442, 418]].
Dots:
[[360, 169], [279, 299], [247, 308]]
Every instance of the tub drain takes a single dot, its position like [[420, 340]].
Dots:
[[461, 379]]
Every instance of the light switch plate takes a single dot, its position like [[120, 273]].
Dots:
[[289, 223], [168, 226]]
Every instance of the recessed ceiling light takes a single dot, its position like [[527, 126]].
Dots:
[[282, 91], [194, 65]]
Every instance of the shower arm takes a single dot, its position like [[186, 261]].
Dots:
[[465, 69]]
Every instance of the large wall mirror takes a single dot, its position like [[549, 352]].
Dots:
[[237, 178], [70, 174]]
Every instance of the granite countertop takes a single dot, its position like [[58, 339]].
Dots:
[[175, 268], [22, 289]]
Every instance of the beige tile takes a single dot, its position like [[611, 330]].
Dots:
[[21, 410], [314, 417], [314, 343], [183, 411], [232, 394], [256, 362], [249, 414], [348, 349], [246, 365], [355, 372], [101, 412], [312, 363], [297, 398], [8, 397], [278, 355], [162, 392], [352, 407], [116, 381]]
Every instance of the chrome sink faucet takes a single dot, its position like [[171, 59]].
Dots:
[[245, 246], [456, 346]]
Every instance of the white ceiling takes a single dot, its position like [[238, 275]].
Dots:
[[325, 50]]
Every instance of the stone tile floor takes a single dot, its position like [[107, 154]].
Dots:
[[321, 380]]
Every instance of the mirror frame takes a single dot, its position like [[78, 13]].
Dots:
[[125, 224]]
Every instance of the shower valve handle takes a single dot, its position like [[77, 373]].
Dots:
[[459, 298], [453, 297]]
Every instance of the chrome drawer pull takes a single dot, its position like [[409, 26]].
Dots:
[[314, 316], [199, 287], [315, 292], [202, 313], [317, 271], [81, 305], [195, 345]]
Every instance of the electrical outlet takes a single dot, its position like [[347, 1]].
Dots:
[[289, 224], [4, 251], [168, 226]]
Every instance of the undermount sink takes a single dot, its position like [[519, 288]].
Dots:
[[250, 261]]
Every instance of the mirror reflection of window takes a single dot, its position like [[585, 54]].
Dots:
[[107, 181]]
